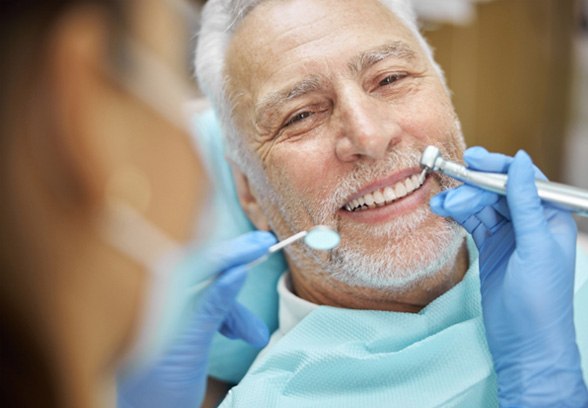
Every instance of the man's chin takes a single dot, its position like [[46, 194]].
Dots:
[[400, 262]]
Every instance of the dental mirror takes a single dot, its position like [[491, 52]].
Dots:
[[322, 238], [319, 237]]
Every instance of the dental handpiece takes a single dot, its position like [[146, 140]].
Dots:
[[561, 195]]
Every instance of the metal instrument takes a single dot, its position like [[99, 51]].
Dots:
[[319, 237], [561, 195]]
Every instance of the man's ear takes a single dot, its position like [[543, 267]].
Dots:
[[248, 200]]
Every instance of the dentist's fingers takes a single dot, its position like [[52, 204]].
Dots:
[[526, 207], [221, 297], [462, 202], [242, 324], [478, 158], [480, 212], [240, 250]]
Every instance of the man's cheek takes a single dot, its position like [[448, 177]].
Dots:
[[295, 176]]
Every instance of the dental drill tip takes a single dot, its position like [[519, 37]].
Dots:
[[429, 157]]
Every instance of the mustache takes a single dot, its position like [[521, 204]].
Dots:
[[367, 171]]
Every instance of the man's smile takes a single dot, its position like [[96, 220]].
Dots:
[[382, 196]]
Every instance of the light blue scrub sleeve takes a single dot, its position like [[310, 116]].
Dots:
[[581, 307], [230, 359]]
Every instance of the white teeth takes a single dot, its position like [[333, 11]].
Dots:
[[388, 194], [379, 198], [400, 190], [409, 184]]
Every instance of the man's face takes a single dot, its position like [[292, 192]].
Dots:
[[336, 101]]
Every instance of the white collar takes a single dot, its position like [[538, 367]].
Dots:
[[292, 308]]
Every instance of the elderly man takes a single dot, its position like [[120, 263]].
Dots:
[[326, 106]]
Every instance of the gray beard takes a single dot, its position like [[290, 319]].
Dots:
[[400, 266], [408, 257]]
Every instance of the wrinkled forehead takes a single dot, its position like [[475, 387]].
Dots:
[[279, 39]]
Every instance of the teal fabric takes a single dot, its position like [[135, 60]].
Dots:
[[360, 358], [230, 359]]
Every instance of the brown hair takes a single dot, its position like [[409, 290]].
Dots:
[[26, 375]]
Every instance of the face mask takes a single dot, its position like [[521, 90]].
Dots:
[[173, 287], [173, 269]]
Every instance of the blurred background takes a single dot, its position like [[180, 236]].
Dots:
[[518, 70]]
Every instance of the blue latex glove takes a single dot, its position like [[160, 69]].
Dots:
[[179, 379], [527, 261]]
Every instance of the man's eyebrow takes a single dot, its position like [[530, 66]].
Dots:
[[273, 100], [395, 49]]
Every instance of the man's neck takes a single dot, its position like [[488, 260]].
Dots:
[[329, 292]]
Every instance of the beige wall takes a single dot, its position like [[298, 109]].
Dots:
[[510, 74]]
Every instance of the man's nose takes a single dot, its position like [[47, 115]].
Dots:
[[368, 128]]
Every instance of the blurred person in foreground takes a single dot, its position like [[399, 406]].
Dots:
[[101, 194]]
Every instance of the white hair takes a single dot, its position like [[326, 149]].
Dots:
[[220, 18]]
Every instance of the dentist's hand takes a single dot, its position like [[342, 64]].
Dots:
[[178, 380], [527, 262]]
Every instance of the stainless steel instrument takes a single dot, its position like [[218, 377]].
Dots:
[[561, 195]]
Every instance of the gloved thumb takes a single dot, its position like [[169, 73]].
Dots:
[[524, 203]]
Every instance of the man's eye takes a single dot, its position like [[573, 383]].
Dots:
[[297, 118], [390, 79]]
